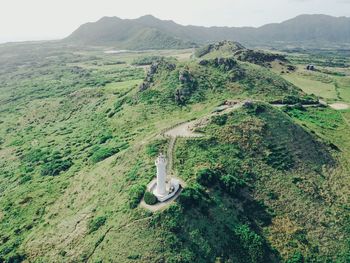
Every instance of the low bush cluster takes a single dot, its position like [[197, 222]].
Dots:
[[194, 196], [99, 153], [136, 193], [219, 119], [297, 99], [230, 183], [147, 60], [96, 223], [150, 198], [52, 164], [105, 137], [154, 148], [55, 167]]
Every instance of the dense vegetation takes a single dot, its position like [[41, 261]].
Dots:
[[242, 163]]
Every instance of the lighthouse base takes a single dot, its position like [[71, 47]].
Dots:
[[172, 187]]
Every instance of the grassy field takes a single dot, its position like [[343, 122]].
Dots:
[[75, 140], [330, 81], [320, 89]]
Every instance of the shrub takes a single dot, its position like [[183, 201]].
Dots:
[[193, 196], [135, 195], [24, 179], [55, 167], [111, 114], [133, 256], [296, 258], [96, 223], [36, 155], [102, 153], [220, 119], [230, 183], [105, 137], [154, 148], [207, 177], [16, 258], [252, 242], [202, 51], [272, 195], [150, 198], [119, 104]]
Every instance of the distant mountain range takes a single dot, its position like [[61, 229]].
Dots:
[[149, 32]]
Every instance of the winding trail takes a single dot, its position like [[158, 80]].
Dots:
[[170, 154], [181, 130], [186, 130]]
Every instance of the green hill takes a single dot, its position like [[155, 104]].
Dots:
[[79, 133], [220, 77], [240, 174]]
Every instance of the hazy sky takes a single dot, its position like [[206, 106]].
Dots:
[[52, 19]]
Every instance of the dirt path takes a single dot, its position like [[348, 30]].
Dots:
[[339, 106], [170, 154], [183, 130]]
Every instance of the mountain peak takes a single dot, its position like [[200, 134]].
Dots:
[[108, 19], [148, 17]]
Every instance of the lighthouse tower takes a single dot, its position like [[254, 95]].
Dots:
[[161, 163], [162, 188]]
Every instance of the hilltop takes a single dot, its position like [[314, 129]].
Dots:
[[149, 32], [227, 49]]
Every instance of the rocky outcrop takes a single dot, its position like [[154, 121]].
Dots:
[[154, 68], [188, 86], [185, 77], [225, 63], [258, 57], [230, 49], [224, 46]]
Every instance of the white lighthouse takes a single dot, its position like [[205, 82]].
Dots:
[[162, 188], [161, 163]]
